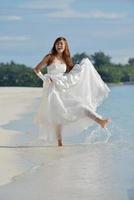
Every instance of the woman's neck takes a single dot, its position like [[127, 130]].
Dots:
[[59, 58], [59, 55]]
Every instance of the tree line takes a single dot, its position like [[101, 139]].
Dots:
[[13, 74]]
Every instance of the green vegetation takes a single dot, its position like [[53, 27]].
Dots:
[[12, 74]]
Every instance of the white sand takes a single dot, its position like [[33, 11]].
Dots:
[[72, 172], [14, 101]]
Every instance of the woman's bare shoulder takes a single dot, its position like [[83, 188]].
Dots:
[[46, 58]]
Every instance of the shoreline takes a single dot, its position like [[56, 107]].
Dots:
[[108, 83], [121, 83]]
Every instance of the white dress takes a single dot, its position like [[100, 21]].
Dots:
[[69, 99]]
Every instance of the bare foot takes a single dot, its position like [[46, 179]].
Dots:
[[103, 122], [60, 143]]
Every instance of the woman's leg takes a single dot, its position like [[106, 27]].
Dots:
[[97, 118], [58, 129]]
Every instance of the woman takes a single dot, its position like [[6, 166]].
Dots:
[[71, 93]]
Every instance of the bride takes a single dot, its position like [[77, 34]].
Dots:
[[71, 93]]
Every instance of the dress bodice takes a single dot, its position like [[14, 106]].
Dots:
[[56, 68]]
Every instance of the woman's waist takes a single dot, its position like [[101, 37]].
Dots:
[[53, 76]]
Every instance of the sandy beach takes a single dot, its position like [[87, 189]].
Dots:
[[102, 171], [14, 102]]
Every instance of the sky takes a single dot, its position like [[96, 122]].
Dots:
[[28, 28]]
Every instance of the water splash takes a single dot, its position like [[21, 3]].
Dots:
[[98, 135], [113, 134], [109, 134]]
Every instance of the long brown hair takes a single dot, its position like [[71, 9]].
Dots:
[[65, 56]]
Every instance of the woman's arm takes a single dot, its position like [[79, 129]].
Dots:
[[41, 64]]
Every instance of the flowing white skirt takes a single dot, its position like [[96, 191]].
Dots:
[[66, 99]]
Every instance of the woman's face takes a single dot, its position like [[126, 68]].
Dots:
[[60, 46]]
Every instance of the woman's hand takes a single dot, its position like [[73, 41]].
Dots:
[[39, 74]]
